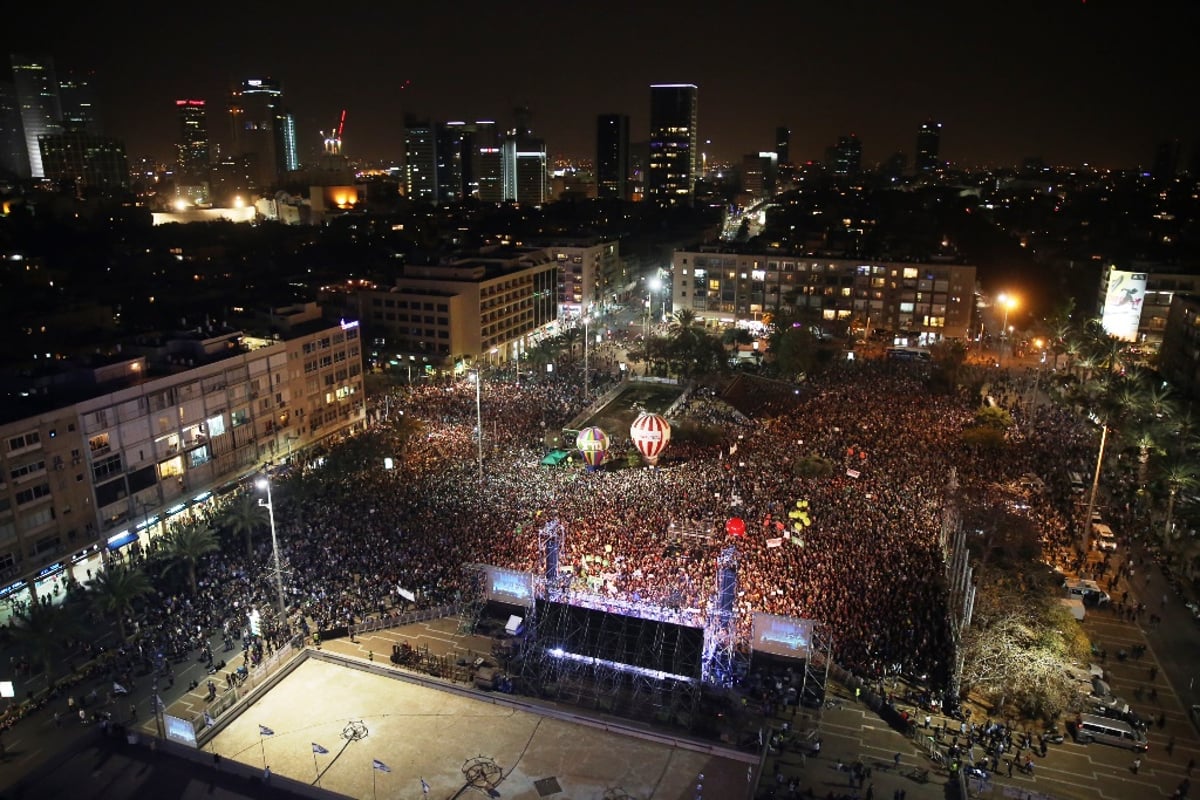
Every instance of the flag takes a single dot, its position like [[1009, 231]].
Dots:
[[263, 730], [406, 594], [424, 787], [379, 765], [318, 749], [208, 720]]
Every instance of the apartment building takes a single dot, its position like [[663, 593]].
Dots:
[[159, 428], [928, 301]]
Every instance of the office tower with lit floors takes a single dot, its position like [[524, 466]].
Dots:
[[40, 107], [929, 139], [612, 156], [264, 134], [671, 169]]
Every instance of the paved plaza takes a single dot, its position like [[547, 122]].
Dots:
[[418, 732]]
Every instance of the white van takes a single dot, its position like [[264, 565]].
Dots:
[[1088, 591], [1091, 728], [1105, 539]]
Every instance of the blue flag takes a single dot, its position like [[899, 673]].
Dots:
[[318, 749], [263, 730], [379, 765]]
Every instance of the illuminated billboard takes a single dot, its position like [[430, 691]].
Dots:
[[1123, 304]]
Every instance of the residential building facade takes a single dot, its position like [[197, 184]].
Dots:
[[929, 301]]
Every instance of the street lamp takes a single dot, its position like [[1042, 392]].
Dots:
[[656, 284], [1008, 302], [586, 385], [265, 483], [478, 376]]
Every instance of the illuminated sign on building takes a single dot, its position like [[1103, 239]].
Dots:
[[1122, 310]]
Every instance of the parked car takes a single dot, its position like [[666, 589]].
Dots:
[[1088, 591]]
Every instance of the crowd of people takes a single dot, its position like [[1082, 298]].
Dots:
[[868, 567], [358, 539]]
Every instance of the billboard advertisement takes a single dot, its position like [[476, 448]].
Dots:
[[1123, 304]]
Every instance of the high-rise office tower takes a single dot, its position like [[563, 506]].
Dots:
[[77, 96], [89, 162], [929, 138], [262, 132], [673, 143], [40, 107], [1166, 159], [420, 159], [845, 158], [14, 158], [783, 141], [523, 162], [758, 174], [612, 156], [191, 149]]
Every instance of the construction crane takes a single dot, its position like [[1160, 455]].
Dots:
[[333, 140]]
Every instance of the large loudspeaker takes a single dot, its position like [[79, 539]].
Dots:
[[726, 591], [552, 560]]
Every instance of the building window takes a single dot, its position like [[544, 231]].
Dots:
[[26, 496], [106, 467], [24, 440]]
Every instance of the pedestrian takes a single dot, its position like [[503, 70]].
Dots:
[[896, 760], [267, 775], [1010, 767], [1135, 766], [1171, 745], [928, 720], [1191, 764]]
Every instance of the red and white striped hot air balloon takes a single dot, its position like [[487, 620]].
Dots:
[[650, 434]]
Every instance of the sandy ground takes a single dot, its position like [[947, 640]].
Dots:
[[420, 732]]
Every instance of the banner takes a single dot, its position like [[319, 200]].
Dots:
[[775, 542]]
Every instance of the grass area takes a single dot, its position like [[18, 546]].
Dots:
[[618, 414]]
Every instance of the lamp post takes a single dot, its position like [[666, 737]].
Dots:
[[479, 419], [265, 483], [585, 357], [1008, 303]]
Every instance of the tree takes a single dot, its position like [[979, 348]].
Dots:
[[44, 631], [186, 545], [1179, 476], [244, 517], [114, 591]]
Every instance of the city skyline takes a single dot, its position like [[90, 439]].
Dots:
[[1065, 80]]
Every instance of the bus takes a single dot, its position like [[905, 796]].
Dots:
[[907, 354]]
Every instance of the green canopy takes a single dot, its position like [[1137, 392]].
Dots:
[[555, 458]]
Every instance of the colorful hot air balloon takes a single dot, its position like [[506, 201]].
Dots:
[[650, 434], [593, 446]]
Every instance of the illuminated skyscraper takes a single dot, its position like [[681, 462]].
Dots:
[[929, 138], [191, 149], [263, 133], [845, 158], [612, 156], [80, 111], [673, 143], [39, 105]]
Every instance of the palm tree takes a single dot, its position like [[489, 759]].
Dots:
[[243, 517], [44, 632], [1179, 476], [114, 591], [570, 336], [186, 545]]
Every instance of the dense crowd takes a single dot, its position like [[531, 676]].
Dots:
[[358, 539], [869, 566]]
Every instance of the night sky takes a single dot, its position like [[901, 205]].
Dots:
[[1100, 81]]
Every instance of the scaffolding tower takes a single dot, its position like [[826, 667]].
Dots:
[[720, 630], [473, 598]]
